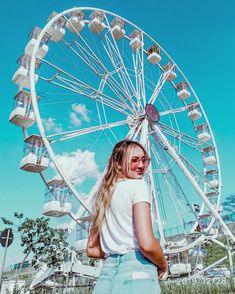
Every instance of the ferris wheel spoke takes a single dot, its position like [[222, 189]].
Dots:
[[88, 56], [111, 103], [77, 133], [77, 86], [175, 191], [193, 182], [138, 62], [83, 88], [182, 137], [100, 70], [113, 52], [160, 84], [173, 111]]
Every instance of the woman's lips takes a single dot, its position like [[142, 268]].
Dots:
[[139, 172]]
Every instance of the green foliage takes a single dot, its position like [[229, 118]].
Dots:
[[204, 286], [6, 221], [215, 252], [229, 208], [18, 215], [47, 244]]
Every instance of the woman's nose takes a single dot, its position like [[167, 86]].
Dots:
[[140, 164]]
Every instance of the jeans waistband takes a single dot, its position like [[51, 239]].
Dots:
[[132, 255]]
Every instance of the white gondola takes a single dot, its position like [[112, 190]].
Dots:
[[36, 159], [21, 76], [182, 91], [43, 48], [56, 30], [179, 265], [117, 28], [212, 178], [22, 114], [153, 53], [57, 199], [136, 40], [96, 24], [172, 75], [213, 195], [194, 112], [202, 133], [180, 269], [209, 157], [81, 239], [76, 23]]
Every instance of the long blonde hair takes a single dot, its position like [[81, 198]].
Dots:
[[117, 166]]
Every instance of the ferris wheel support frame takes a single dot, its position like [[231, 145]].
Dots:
[[51, 153], [181, 165]]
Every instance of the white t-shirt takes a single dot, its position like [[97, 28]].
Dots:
[[118, 235]]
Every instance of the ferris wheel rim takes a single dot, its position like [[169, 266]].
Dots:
[[33, 89]]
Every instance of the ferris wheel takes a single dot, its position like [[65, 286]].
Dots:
[[90, 78]]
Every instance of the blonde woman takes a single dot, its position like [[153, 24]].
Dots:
[[134, 258]]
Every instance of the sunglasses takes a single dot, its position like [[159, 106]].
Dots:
[[135, 160]]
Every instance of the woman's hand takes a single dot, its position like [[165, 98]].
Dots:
[[161, 272]]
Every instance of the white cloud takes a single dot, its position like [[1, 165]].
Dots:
[[74, 119], [50, 124], [79, 114], [78, 165]]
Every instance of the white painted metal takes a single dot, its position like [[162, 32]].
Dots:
[[177, 159], [20, 117], [55, 208], [126, 84], [180, 268]]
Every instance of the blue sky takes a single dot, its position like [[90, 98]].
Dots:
[[199, 36]]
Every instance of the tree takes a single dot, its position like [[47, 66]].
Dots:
[[47, 245], [229, 208]]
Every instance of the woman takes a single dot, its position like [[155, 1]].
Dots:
[[134, 258]]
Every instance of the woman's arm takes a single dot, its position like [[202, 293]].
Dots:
[[93, 248], [149, 246]]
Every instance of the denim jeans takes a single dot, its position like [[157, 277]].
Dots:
[[130, 273]]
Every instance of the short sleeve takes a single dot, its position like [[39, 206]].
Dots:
[[140, 192]]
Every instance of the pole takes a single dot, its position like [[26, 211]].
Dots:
[[4, 258], [184, 169]]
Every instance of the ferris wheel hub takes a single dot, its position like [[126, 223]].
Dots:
[[152, 112]]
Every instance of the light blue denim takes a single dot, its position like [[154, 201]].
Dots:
[[130, 273]]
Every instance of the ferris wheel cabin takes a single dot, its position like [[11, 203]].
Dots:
[[172, 75], [76, 23], [136, 40], [154, 54], [96, 24], [202, 133], [194, 113], [43, 48], [209, 157], [21, 76], [56, 30], [212, 178], [182, 91], [117, 28], [81, 239], [36, 158], [57, 199], [179, 264], [22, 114]]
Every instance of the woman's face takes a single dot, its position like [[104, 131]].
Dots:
[[137, 163]]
